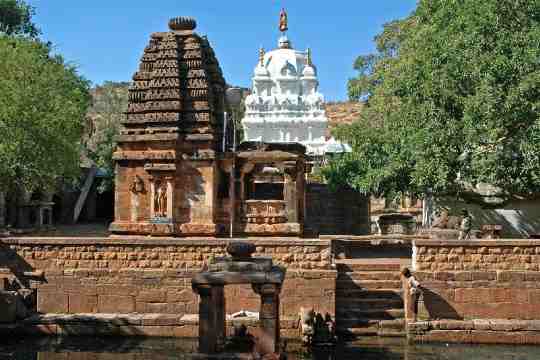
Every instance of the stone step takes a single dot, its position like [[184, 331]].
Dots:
[[369, 275], [375, 314], [370, 327], [367, 266], [367, 284], [367, 304], [395, 294]]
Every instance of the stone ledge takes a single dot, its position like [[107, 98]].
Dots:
[[158, 325], [475, 243], [497, 325], [479, 331], [159, 241], [376, 239], [478, 337]]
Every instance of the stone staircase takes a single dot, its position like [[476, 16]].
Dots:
[[369, 297]]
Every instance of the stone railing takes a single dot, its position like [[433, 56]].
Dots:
[[265, 212]]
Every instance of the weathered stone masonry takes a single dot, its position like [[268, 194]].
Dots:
[[478, 283], [125, 275]]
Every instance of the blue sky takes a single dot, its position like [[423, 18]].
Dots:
[[105, 39]]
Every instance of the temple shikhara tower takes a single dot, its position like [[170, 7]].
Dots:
[[285, 104], [166, 171]]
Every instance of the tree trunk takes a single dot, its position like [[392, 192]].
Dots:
[[2, 209], [428, 208]]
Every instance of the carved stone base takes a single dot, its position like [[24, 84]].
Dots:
[[197, 229], [285, 229], [156, 229], [142, 228]]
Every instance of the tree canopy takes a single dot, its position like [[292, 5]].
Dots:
[[16, 18], [43, 102], [452, 100], [109, 102]]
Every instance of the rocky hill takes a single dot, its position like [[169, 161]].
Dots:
[[345, 112]]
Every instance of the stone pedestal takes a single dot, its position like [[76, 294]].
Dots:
[[396, 224]]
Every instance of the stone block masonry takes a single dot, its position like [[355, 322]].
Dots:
[[465, 282], [153, 275], [479, 279]]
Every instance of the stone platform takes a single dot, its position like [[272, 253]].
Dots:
[[146, 325], [479, 331]]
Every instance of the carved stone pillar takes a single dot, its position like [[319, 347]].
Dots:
[[218, 294], [211, 318], [290, 194], [269, 314]]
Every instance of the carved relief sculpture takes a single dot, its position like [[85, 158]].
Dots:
[[160, 199], [136, 188]]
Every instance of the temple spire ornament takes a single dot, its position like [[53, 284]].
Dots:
[[283, 21], [308, 58], [261, 56]]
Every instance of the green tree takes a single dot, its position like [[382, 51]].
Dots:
[[109, 102], [452, 100], [43, 102], [16, 18]]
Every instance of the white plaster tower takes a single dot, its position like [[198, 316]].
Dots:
[[285, 105]]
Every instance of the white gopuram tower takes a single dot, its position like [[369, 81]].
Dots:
[[285, 105]]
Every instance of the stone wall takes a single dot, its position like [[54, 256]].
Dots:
[[335, 213], [481, 279], [124, 275]]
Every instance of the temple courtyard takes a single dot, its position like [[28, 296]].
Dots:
[[228, 248]]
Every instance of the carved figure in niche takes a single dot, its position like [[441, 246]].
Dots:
[[160, 199], [137, 185]]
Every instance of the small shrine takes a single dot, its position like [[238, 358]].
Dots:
[[240, 268]]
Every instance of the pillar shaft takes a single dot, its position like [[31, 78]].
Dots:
[[269, 315], [211, 319]]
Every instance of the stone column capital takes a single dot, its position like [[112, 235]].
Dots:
[[266, 289], [202, 290]]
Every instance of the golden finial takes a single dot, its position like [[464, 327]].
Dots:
[[261, 56], [283, 22], [309, 57]]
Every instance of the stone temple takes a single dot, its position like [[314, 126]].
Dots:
[[285, 104], [175, 177]]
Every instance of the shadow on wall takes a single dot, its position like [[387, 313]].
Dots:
[[519, 218], [434, 306]]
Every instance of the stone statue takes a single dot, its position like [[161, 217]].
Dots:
[[137, 185], [307, 325], [465, 226], [160, 199], [283, 22], [441, 220], [316, 329]]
